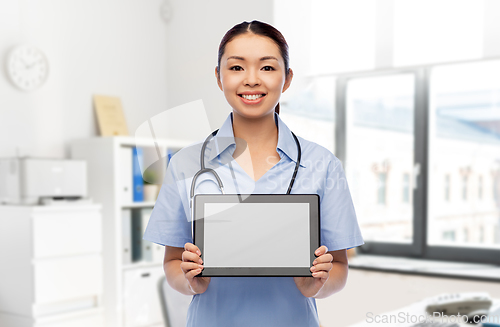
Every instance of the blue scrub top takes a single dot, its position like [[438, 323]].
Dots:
[[254, 301]]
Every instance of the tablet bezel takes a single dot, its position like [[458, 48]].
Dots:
[[314, 227]]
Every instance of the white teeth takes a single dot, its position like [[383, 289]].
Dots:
[[252, 97]]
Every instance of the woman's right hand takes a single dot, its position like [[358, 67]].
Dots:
[[191, 266]]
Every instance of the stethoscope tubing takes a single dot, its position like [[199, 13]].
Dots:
[[219, 181]]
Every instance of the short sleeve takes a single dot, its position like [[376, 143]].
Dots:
[[339, 225], [168, 224]]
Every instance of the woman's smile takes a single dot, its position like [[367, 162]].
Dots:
[[252, 97]]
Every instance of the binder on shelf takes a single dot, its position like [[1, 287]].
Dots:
[[126, 236], [126, 182], [136, 235], [138, 182]]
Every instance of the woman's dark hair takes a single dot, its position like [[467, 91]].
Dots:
[[258, 28]]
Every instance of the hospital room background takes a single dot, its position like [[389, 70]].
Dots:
[[97, 96]]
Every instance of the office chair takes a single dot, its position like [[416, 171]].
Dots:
[[174, 304]]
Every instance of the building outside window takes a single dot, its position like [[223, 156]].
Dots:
[[449, 236], [464, 187], [382, 184]]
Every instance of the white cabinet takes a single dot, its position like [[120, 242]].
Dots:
[[130, 289], [51, 265]]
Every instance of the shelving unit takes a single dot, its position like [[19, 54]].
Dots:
[[129, 289]]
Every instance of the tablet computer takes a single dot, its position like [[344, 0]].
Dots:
[[256, 234]]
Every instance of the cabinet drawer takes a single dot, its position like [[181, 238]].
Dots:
[[141, 297], [67, 278], [66, 233]]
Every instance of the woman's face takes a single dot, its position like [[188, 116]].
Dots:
[[252, 75]]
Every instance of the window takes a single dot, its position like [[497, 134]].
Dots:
[[379, 136], [406, 188], [442, 124], [464, 137]]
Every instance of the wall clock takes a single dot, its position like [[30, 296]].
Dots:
[[27, 67]]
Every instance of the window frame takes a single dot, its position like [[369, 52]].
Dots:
[[419, 247]]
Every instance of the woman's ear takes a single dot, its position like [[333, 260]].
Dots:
[[217, 76], [288, 80]]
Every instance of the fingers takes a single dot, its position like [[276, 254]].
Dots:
[[191, 274], [191, 264], [191, 269], [322, 267], [321, 274], [321, 250], [192, 248], [322, 264], [191, 257], [324, 258]]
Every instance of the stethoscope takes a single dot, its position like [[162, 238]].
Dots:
[[219, 181]]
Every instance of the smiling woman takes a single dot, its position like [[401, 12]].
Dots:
[[257, 78], [252, 53], [261, 155]]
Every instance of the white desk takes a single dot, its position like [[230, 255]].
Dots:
[[412, 315]]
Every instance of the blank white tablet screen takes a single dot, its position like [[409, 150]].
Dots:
[[256, 235]]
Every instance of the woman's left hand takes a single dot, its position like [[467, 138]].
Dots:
[[310, 286]]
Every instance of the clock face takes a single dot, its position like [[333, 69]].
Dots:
[[27, 67]]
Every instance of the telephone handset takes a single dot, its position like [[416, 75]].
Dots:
[[465, 304]]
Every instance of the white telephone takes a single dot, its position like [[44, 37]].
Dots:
[[466, 304]]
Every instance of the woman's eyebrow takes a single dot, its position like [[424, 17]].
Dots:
[[261, 59]]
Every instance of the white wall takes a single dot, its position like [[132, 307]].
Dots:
[[117, 48], [111, 47], [193, 37]]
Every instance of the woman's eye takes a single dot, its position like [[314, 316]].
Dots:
[[268, 68], [236, 68]]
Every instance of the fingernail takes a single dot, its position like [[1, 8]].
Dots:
[[313, 269], [200, 262], [317, 252], [201, 267], [198, 252], [315, 274]]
